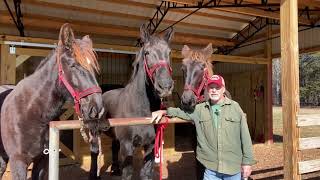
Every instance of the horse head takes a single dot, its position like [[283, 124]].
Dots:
[[196, 67], [156, 59], [77, 65]]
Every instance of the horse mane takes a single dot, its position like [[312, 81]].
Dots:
[[86, 56], [44, 60], [198, 55], [136, 64]]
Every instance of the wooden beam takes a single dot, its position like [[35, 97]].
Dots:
[[32, 52], [127, 15], [189, 2], [301, 3], [21, 59], [122, 31], [8, 66], [268, 126], [113, 122], [176, 55], [153, 6], [313, 49], [260, 13], [290, 86], [253, 53], [66, 151]]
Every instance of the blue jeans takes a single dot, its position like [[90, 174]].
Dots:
[[214, 175]]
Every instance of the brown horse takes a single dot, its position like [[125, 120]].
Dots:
[[68, 73], [150, 81], [196, 67]]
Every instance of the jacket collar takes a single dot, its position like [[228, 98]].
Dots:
[[226, 101]]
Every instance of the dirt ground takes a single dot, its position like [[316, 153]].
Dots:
[[181, 165]]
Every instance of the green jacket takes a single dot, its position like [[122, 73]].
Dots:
[[226, 147]]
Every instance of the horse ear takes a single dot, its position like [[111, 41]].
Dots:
[[168, 34], [87, 39], [66, 35], [185, 52], [144, 33], [208, 50]]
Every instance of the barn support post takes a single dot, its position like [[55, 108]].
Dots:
[[290, 85], [8, 65], [268, 130], [53, 153]]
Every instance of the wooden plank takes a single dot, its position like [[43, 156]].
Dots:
[[175, 54], [21, 59], [66, 114], [126, 15], [66, 161], [33, 52], [309, 166], [55, 23], [290, 86], [308, 120], [260, 13], [309, 143], [75, 124], [8, 66], [66, 151], [268, 133]]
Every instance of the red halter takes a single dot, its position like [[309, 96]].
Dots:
[[152, 70], [197, 91], [74, 93]]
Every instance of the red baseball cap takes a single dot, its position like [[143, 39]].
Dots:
[[216, 79]]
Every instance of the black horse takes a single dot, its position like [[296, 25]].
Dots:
[[150, 81], [67, 73]]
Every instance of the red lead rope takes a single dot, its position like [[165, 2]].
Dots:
[[158, 145]]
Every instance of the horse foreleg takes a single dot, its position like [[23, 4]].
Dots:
[[3, 165], [146, 172], [18, 168], [94, 148], [126, 155], [115, 168], [40, 168]]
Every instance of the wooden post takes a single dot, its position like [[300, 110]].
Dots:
[[290, 85], [268, 127], [8, 66], [53, 153]]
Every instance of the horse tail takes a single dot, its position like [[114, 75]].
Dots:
[[137, 141]]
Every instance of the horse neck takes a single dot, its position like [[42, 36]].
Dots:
[[46, 83], [143, 90]]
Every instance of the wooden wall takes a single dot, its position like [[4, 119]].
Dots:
[[242, 86], [115, 68]]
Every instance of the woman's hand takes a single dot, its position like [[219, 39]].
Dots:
[[157, 115]]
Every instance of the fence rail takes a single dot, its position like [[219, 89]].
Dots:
[[56, 126], [306, 120]]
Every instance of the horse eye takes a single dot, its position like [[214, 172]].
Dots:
[[73, 65], [146, 53]]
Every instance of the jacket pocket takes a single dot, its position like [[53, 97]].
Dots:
[[206, 126], [232, 120], [232, 130]]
